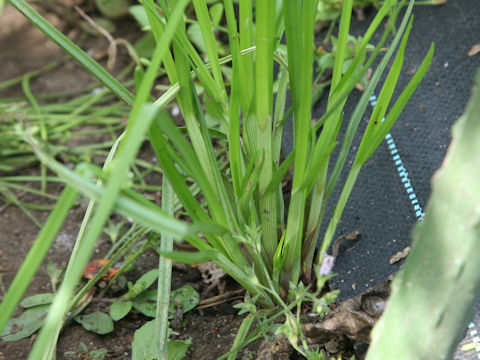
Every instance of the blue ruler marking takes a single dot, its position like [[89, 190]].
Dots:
[[402, 171]]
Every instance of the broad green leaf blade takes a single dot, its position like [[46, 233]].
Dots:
[[144, 345], [112, 8], [183, 299], [148, 309], [144, 342], [142, 284], [119, 309], [140, 15], [216, 13], [37, 299], [177, 349], [97, 322], [195, 36], [74, 51], [26, 324], [98, 354]]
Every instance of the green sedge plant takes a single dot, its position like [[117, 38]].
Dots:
[[239, 217]]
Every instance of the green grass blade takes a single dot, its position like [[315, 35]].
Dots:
[[128, 204], [181, 39], [379, 132], [241, 336], [342, 43], [363, 102], [378, 114], [164, 276], [9, 196], [177, 180], [265, 42], [196, 257], [36, 254], [234, 150], [201, 140], [43, 347], [74, 51], [43, 126], [279, 174], [204, 21], [279, 115], [246, 62], [299, 22], [166, 126]]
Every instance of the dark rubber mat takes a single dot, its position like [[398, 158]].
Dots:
[[394, 184]]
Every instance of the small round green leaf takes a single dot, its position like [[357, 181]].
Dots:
[[97, 322], [119, 309], [216, 13], [142, 284], [177, 349], [37, 299], [185, 297], [146, 308]]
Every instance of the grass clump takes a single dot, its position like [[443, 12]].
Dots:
[[239, 217]]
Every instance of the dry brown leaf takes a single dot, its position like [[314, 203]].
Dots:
[[474, 50], [400, 255], [354, 318]]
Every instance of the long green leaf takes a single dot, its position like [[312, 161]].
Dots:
[[378, 114], [299, 21], [400, 104], [180, 38], [205, 23], [265, 42], [374, 135], [36, 254], [164, 276], [127, 204], [177, 180], [234, 150]]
